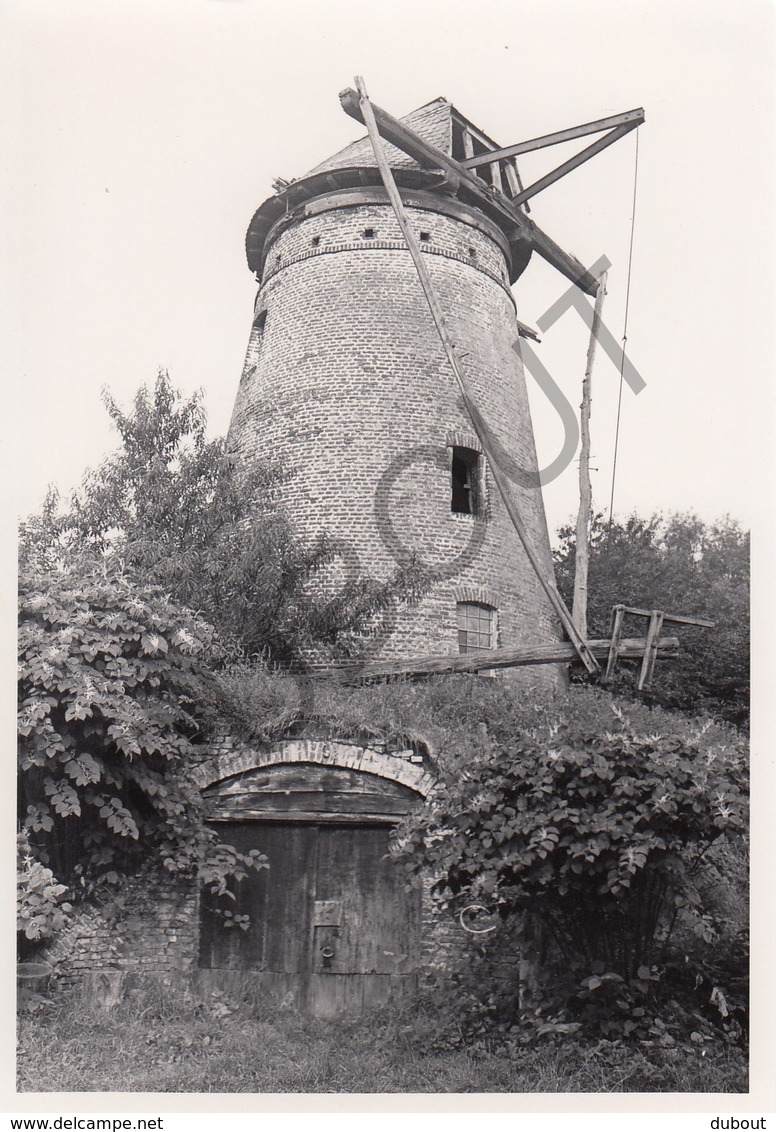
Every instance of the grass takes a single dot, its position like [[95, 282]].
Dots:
[[159, 1040], [444, 715]]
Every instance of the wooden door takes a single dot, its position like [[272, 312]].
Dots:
[[332, 928]]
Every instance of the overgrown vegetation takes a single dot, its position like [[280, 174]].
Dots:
[[163, 1039], [115, 665], [167, 600], [171, 508], [679, 564], [40, 909], [611, 850], [107, 680], [609, 838]]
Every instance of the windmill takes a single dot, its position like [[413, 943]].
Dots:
[[381, 369], [348, 380], [503, 196]]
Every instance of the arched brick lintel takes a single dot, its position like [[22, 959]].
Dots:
[[323, 753]]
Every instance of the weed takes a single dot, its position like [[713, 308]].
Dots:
[[161, 1039]]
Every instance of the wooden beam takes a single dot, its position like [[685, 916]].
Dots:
[[502, 482], [673, 617], [572, 163], [561, 652], [579, 605], [412, 144], [230, 815], [614, 644], [513, 181], [468, 143], [424, 152], [477, 134], [553, 254], [527, 331], [631, 118], [650, 649]]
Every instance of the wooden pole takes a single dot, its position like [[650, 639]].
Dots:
[[631, 118], [618, 615], [560, 652], [579, 607], [430, 155], [650, 649], [502, 482]]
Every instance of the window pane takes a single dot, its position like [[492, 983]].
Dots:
[[476, 626]]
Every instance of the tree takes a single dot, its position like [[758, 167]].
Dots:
[[173, 509], [679, 564], [116, 668], [107, 688]]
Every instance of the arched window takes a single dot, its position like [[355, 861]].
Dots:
[[476, 626]]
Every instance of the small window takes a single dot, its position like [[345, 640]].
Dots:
[[260, 319], [316, 241], [466, 481], [425, 237], [473, 253], [476, 627], [369, 233]]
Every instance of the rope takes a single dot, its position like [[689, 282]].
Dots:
[[624, 332]]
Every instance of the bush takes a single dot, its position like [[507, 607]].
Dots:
[[40, 909], [175, 510], [443, 715], [590, 839], [108, 677]]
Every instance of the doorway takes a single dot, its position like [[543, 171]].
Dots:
[[332, 926]]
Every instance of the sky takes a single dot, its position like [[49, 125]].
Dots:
[[142, 137]]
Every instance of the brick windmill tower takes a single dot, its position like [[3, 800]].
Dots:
[[347, 382], [384, 274]]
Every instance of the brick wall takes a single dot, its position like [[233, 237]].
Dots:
[[150, 928], [156, 933], [347, 384]]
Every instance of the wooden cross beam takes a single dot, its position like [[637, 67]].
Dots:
[[490, 199], [674, 618], [618, 126], [572, 163], [630, 120], [560, 652], [652, 643]]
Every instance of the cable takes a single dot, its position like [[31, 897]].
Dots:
[[624, 332]]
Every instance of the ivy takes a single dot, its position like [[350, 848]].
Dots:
[[590, 832], [108, 678], [40, 909]]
